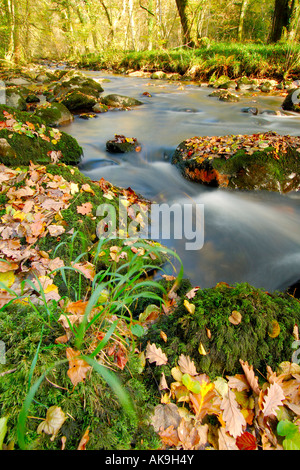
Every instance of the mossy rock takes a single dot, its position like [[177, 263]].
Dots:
[[54, 114], [225, 343], [292, 101], [120, 101], [15, 99], [90, 404], [76, 101], [250, 163], [225, 95], [36, 147]]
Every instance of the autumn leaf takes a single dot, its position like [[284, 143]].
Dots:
[[154, 354], [165, 416], [235, 317], [251, 378], [202, 402], [190, 307], [78, 368], [87, 269], [85, 208], [235, 421], [272, 400], [274, 329], [246, 441], [84, 440], [186, 365], [55, 418]]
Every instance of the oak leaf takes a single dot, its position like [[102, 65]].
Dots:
[[272, 400], [154, 354], [186, 365], [85, 208], [235, 421]]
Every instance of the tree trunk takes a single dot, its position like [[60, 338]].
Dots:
[[184, 20], [294, 20], [242, 18], [285, 20]]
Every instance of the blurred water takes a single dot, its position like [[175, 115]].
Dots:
[[252, 237]]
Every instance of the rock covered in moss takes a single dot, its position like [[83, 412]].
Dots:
[[225, 95], [15, 99], [54, 114], [32, 140], [122, 144], [226, 324], [292, 101], [250, 162], [120, 101]]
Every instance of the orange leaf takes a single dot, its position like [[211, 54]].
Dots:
[[78, 368]]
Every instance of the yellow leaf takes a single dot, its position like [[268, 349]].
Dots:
[[190, 307], [235, 317], [201, 350], [7, 278], [54, 141], [55, 418], [274, 329], [74, 188]]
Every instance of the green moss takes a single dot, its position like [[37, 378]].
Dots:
[[249, 340], [30, 147], [91, 404]]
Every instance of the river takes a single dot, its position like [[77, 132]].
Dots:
[[248, 237]]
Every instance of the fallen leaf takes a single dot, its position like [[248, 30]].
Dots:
[[235, 421], [235, 317], [85, 208], [84, 440], [78, 368], [272, 400], [55, 418], [186, 365], [155, 354]]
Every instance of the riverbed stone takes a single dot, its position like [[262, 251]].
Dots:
[[292, 101], [120, 101], [122, 144], [225, 95], [54, 114], [256, 162]]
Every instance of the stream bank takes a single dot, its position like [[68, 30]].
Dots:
[[241, 220]]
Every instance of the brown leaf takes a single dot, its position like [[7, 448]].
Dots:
[[154, 354], [55, 418], [235, 317], [251, 378], [272, 400], [165, 416], [186, 365], [85, 208], [84, 440], [235, 421], [78, 368]]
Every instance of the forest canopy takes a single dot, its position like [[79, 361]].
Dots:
[[35, 29]]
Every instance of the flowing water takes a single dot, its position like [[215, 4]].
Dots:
[[248, 237]]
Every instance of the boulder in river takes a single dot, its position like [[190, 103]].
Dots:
[[122, 144], [225, 95], [120, 101], [292, 101], [54, 114], [246, 162]]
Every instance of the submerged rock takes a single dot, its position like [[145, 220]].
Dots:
[[225, 95], [255, 162]]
